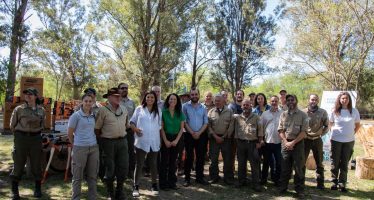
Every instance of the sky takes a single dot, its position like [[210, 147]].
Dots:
[[274, 62]]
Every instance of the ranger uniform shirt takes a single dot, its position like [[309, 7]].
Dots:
[[27, 119], [318, 123], [248, 128], [112, 123], [292, 123], [221, 122]]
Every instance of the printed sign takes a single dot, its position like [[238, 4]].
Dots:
[[61, 125]]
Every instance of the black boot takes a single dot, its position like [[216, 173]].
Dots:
[[15, 193], [38, 189], [109, 187], [119, 191]]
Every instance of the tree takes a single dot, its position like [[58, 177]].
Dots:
[[156, 31], [243, 37], [65, 44], [17, 10], [333, 39], [202, 49]]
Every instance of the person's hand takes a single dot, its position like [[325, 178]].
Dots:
[[168, 144], [289, 145], [174, 143], [138, 132], [219, 140], [258, 145], [195, 135]]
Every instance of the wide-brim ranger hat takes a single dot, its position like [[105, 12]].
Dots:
[[112, 91], [31, 90]]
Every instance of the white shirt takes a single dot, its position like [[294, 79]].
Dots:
[[343, 129], [150, 126], [270, 121]]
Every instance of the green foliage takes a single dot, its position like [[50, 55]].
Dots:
[[300, 85], [366, 89], [65, 45], [332, 38], [243, 37], [155, 32]]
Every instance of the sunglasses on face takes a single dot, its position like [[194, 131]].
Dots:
[[123, 88]]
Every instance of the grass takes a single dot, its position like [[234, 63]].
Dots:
[[56, 188]]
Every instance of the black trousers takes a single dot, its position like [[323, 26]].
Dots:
[[26, 146], [193, 147], [293, 160], [130, 143], [272, 157], [316, 146], [168, 166], [341, 153]]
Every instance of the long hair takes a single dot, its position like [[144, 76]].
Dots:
[[256, 102], [154, 109], [338, 106], [178, 106]]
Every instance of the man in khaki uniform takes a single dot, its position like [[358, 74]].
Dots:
[[111, 123], [249, 137], [220, 132], [293, 125], [318, 126]]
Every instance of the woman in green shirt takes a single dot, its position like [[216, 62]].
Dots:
[[172, 128]]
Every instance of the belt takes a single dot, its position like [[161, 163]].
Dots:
[[117, 138], [313, 138], [290, 140], [248, 141], [29, 133]]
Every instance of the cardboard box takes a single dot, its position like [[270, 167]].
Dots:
[[9, 107], [27, 82]]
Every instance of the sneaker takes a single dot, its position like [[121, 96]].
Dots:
[[240, 184], [135, 191], [155, 189], [334, 187], [187, 183], [300, 195], [342, 187], [173, 187], [258, 188], [214, 180], [321, 186], [164, 187], [228, 181], [202, 181], [282, 191]]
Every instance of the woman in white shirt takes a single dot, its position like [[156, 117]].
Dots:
[[344, 123], [146, 124]]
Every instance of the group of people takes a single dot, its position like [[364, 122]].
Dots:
[[118, 140]]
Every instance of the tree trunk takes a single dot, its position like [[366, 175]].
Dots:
[[76, 92], [365, 168], [194, 64], [14, 45], [144, 85]]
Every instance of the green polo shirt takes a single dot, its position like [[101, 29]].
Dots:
[[172, 124]]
